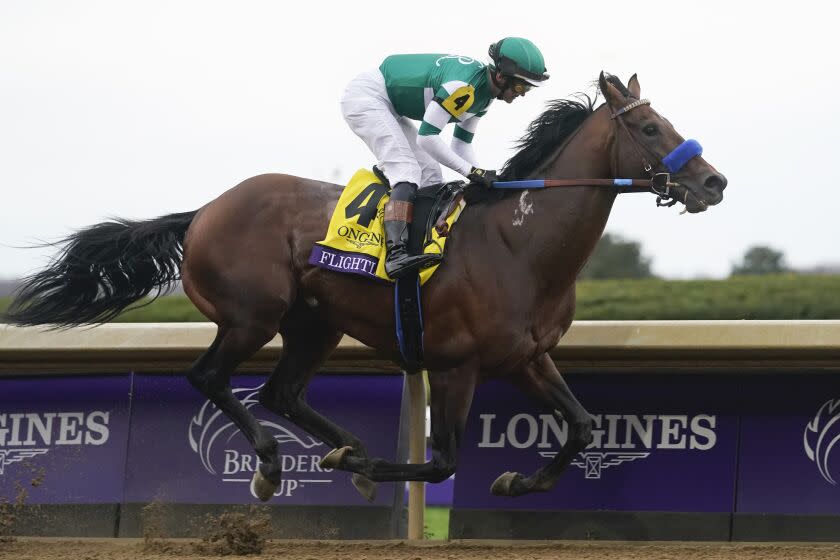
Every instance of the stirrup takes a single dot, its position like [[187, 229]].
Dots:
[[400, 266]]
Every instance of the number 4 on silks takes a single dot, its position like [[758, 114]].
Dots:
[[364, 206], [459, 101]]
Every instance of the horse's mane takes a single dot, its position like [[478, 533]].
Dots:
[[542, 138], [546, 133]]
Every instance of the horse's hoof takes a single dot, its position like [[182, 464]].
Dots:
[[262, 487], [365, 486], [508, 484], [333, 459]]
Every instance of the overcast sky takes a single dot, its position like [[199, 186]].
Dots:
[[142, 108]]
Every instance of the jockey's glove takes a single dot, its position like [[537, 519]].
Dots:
[[483, 177]]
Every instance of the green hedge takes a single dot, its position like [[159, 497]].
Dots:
[[786, 296]]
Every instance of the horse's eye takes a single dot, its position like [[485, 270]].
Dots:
[[650, 130]]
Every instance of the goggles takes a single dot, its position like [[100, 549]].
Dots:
[[520, 87]]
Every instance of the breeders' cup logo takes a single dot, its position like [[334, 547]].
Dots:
[[25, 435], [821, 436], [616, 438], [212, 437]]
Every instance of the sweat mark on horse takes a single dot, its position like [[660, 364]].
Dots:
[[523, 210], [500, 301]]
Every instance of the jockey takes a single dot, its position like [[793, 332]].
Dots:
[[435, 89]]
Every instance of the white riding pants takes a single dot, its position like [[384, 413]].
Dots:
[[391, 138]]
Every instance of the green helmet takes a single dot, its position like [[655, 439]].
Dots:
[[518, 57]]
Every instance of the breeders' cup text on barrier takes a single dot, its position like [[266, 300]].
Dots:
[[209, 427]]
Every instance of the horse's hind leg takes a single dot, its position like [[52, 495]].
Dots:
[[307, 343], [542, 380], [451, 398], [211, 373]]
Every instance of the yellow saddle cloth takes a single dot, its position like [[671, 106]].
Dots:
[[355, 241]]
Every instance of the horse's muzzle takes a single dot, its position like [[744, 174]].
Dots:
[[715, 183], [713, 187]]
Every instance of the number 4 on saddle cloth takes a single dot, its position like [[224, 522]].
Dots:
[[355, 244]]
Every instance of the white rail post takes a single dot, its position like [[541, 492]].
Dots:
[[416, 453]]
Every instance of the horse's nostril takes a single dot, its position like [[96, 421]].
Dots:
[[715, 183]]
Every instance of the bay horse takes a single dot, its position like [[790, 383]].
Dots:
[[503, 297]]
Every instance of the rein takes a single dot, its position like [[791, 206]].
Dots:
[[659, 184], [659, 180]]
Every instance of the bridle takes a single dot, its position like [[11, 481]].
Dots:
[[660, 183]]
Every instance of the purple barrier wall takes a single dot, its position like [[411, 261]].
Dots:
[[716, 443], [136, 438], [440, 494], [182, 449], [661, 443], [789, 462], [667, 443], [63, 440]]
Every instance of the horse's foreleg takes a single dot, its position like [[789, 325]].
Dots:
[[542, 380], [304, 349], [451, 397], [211, 373]]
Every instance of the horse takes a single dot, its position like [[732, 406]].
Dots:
[[502, 298]]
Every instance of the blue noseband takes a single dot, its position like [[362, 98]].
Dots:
[[677, 159]]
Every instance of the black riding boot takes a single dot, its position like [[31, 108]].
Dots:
[[398, 215]]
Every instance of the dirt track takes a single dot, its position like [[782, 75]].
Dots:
[[129, 549]]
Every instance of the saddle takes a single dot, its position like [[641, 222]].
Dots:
[[355, 244], [433, 206]]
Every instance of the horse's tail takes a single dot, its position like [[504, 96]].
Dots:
[[103, 269]]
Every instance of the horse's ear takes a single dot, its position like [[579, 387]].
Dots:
[[602, 83], [614, 97], [633, 86]]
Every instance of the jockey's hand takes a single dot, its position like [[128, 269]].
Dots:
[[483, 177]]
